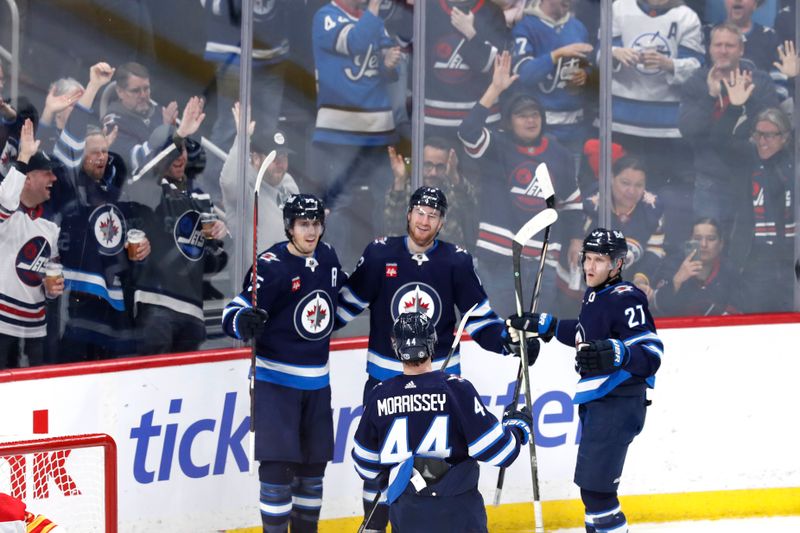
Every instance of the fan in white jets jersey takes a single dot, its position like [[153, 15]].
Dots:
[[27, 241]]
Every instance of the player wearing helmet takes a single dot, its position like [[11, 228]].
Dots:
[[298, 282], [618, 354], [423, 432]]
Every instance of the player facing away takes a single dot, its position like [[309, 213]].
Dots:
[[423, 431], [618, 354], [418, 272], [298, 281]]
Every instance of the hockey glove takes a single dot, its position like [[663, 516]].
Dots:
[[519, 420], [601, 356], [511, 339], [249, 322], [543, 324]]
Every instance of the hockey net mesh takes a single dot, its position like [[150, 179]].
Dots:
[[70, 480]]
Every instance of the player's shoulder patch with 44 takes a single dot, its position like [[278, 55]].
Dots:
[[453, 377], [380, 240], [268, 257]]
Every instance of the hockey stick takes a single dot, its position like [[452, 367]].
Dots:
[[457, 338], [543, 188], [254, 301]]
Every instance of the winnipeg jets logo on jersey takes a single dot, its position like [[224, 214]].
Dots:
[[268, 257], [622, 289], [31, 259], [109, 228], [312, 316], [188, 235], [525, 189], [651, 41], [417, 297], [448, 65], [366, 66]]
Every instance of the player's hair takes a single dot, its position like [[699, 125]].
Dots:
[[126, 70]]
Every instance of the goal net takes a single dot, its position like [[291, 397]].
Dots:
[[72, 480]]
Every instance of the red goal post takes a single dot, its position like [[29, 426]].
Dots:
[[72, 480]]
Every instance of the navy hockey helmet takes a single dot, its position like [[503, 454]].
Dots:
[[606, 242], [430, 197], [302, 206], [413, 337]]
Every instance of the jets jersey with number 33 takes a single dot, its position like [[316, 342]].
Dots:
[[299, 293], [391, 280], [620, 312]]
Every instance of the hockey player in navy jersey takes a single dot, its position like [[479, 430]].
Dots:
[[423, 432], [418, 272], [298, 281], [618, 354]]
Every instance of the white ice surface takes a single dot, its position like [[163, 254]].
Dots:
[[779, 524]]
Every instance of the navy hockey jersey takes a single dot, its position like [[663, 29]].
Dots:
[[534, 39], [509, 190], [457, 69], [353, 104], [434, 415], [94, 221], [299, 293], [390, 280], [617, 311]]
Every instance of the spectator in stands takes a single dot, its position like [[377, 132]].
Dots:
[[95, 219], [508, 160], [355, 60], [713, 117], [135, 114], [513, 10], [58, 105], [656, 47], [28, 241], [637, 213], [699, 281], [440, 170], [785, 22], [185, 243], [461, 40], [8, 117], [760, 42], [275, 189], [768, 270], [223, 24], [551, 57]]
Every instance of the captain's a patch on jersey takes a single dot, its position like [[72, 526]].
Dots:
[[622, 289], [391, 270]]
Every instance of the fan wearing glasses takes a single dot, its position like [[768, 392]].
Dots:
[[769, 266]]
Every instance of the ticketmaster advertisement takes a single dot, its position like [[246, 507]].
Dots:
[[183, 443]]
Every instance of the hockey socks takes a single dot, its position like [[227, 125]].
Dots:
[[307, 498], [603, 512]]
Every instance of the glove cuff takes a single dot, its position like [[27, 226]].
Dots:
[[621, 353], [235, 323], [523, 430]]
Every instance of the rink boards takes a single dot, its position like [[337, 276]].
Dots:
[[717, 439]]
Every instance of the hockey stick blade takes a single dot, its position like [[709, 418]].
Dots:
[[457, 338], [542, 176], [263, 168], [535, 225]]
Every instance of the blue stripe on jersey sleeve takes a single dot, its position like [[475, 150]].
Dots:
[[485, 441]]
